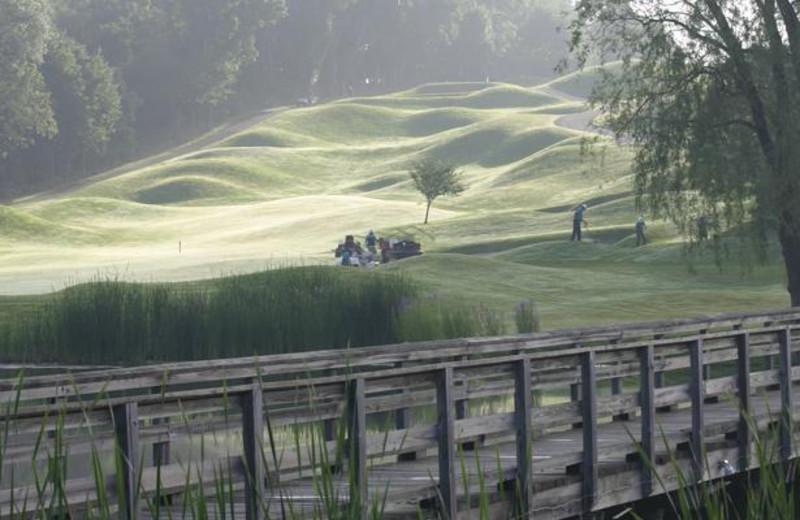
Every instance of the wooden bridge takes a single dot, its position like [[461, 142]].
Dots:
[[550, 425]]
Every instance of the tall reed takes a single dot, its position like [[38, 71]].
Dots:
[[109, 321]]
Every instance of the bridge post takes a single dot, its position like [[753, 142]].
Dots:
[[522, 421], [706, 367], [697, 391], [575, 391], [745, 436], [462, 410], [252, 403], [787, 397], [589, 417], [126, 427], [446, 440], [647, 403], [357, 445]]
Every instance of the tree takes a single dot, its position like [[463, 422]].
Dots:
[[709, 92], [86, 100], [436, 179], [25, 111]]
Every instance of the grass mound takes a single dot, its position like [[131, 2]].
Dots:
[[431, 122], [19, 226], [581, 83], [192, 190], [448, 88], [509, 96], [266, 137], [522, 146], [342, 122]]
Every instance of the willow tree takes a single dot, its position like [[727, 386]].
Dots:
[[709, 92]]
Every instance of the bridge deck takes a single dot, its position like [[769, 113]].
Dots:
[[555, 461]]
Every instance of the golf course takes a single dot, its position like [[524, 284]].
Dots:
[[288, 189]]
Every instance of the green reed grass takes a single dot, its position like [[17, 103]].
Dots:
[[109, 321], [768, 491]]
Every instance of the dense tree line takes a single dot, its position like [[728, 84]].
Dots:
[[87, 84]]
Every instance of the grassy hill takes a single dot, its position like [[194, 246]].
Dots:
[[288, 189]]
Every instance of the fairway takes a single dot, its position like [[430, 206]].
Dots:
[[288, 189]]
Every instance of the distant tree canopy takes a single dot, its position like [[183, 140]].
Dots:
[[26, 114], [710, 92], [91, 83]]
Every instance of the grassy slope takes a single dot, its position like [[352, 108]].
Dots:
[[289, 188]]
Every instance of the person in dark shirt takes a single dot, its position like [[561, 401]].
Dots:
[[577, 222], [641, 225], [702, 228]]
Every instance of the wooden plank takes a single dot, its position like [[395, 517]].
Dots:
[[446, 442], [253, 451], [589, 417], [126, 427], [697, 391], [524, 437], [648, 418], [787, 397], [299, 367], [744, 435], [357, 445]]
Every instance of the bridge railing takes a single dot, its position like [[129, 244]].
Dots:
[[400, 403]]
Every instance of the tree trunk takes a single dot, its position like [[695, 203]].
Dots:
[[428, 211], [790, 243]]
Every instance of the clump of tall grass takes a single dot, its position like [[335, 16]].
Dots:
[[109, 321], [285, 310], [526, 317], [435, 319]]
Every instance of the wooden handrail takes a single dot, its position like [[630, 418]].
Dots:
[[279, 363]]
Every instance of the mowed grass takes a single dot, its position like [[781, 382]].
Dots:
[[287, 191]]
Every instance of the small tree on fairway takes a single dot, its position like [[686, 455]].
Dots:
[[436, 179]]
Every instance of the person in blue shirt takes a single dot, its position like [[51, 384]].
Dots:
[[371, 240], [577, 222]]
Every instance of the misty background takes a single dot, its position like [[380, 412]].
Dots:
[[91, 84]]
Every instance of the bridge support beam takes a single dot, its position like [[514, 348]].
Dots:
[[647, 400], [126, 427], [357, 446], [744, 435], [787, 395], [447, 444], [589, 417], [697, 391], [524, 436], [252, 403]]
